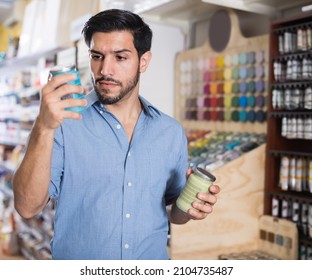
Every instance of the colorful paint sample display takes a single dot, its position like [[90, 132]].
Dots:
[[230, 88]]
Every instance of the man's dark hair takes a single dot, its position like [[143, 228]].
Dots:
[[120, 20]]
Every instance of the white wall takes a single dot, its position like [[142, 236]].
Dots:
[[158, 82]]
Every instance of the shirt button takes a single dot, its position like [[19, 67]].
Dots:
[[129, 154], [101, 112], [126, 246], [128, 215], [118, 126], [129, 184]]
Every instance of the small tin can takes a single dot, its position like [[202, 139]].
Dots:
[[199, 181], [71, 69]]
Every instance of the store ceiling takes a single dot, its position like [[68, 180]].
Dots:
[[196, 10], [175, 11]]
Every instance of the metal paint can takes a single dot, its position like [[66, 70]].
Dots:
[[71, 69], [199, 181]]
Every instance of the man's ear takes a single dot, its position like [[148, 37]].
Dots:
[[144, 61]]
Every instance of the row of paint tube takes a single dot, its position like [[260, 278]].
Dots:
[[297, 39], [292, 99], [297, 127], [296, 174], [292, 69], [295, 211]]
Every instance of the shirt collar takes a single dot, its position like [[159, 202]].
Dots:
[[148, 108]]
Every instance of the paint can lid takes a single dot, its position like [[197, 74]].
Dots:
[[203, 173]]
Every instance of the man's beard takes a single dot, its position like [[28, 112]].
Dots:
[[104, 99]]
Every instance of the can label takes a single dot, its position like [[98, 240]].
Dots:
[[59, 70]]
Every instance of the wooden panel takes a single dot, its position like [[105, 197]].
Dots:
[[233, 226]]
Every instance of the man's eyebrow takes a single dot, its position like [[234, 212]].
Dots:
[[94, 51], [116, 51], [122, 50]]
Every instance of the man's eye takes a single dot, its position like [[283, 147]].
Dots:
[[96, 57], [120, 57]]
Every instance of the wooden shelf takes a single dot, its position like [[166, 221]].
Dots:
[[278, 146]]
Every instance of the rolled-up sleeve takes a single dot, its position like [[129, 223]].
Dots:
[[57, 163]]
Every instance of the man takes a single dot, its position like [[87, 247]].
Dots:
[[115, 168]]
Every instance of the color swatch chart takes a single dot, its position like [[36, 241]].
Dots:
[[224, 88]]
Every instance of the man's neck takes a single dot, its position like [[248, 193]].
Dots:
[[127, 111]]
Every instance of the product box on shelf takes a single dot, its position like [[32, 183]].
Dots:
[[278, 239]]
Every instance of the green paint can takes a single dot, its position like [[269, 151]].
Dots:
[[199, 181]]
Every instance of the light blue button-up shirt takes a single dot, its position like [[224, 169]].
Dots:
[[111, 194]]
